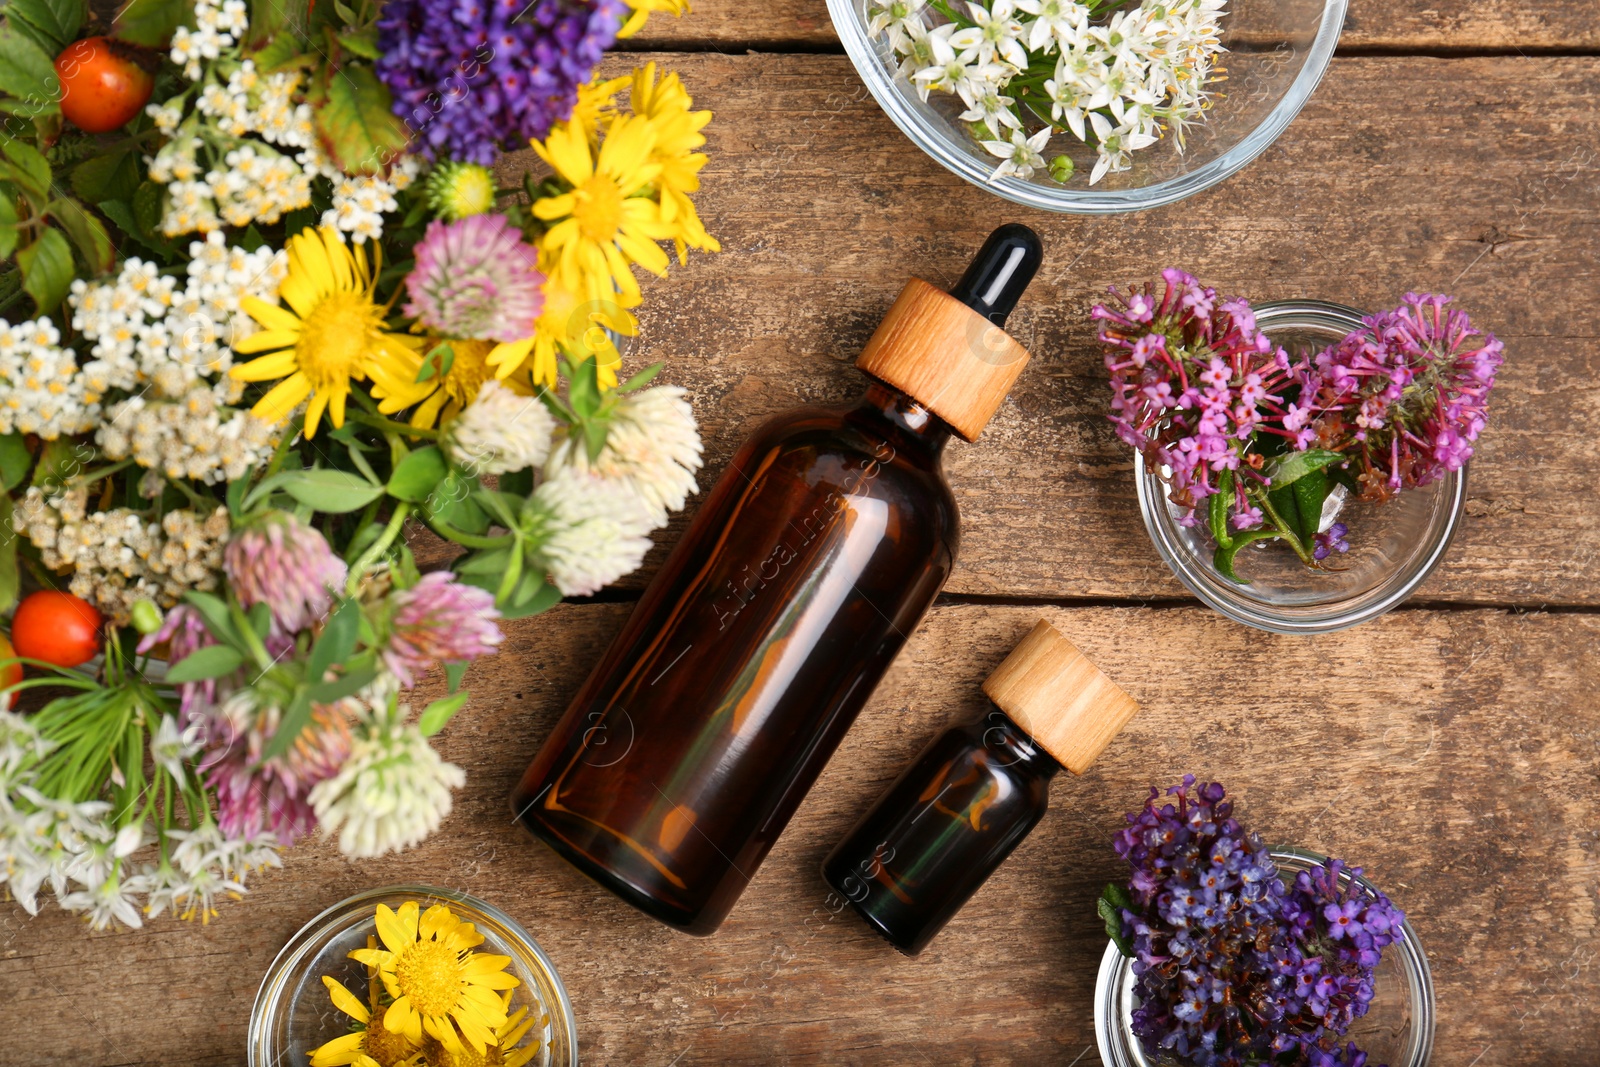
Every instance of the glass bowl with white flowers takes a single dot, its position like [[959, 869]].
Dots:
[[1091, 105]]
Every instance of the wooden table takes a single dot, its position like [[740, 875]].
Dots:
[[1452, 747]]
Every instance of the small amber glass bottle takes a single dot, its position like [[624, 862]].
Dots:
[[684, 754], [976, 791]]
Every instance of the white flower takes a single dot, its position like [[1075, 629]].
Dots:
[[652, 445], [1076, 90], [1058, 22], [1114, 143], [109, 901], [985, 104], [595, 530], [171, 748], [501, 431], [1020, 155], [392, 791], [996, 34], [897, 17], [21, 746], [950, 66]]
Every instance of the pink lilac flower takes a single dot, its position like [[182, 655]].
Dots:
[[476, 278], [1406, 395], [287, 566], [439, 620], [183, 631], [1193, 382], [256, 795]]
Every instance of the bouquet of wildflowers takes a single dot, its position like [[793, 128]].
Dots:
[[1233, 966], [268, 310], [1115, 77], [1254, 442]]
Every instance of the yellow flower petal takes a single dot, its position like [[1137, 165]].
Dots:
[[315, 406], [342, 1050], [268, 315], [266, 341], [266, 368], [402, 1018], [283, 398], [346, 1001]]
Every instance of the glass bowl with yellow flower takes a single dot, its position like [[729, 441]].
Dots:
[[412, 976]]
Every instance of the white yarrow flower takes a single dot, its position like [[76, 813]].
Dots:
[[392, 792], [501, 431]]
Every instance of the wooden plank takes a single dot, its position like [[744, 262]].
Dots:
[[1413, 25], [1451, 753], [1471, 176]]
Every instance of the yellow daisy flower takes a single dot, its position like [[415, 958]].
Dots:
[[643, 9], [596, 105], [503, 1053], [440, 987], [441, 399], [372, 1045], [576, 325], [602, 226], [666, 105], [331, 332]]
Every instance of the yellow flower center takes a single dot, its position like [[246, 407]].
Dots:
[[437, 1055], [334, 337], [387, 1048], [468, 371], [429, 972], [599, 208]]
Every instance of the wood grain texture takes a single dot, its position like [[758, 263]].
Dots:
[[1454, 754], [1414, 25], [824, 210]]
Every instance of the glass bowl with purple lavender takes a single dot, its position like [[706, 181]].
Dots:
[[1227, 953], [1300, 467]]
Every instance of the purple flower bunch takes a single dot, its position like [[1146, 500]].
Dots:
[[473, 76], [1406, 395], [1192, 384], [1232, 966]]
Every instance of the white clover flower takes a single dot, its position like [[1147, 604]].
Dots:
[[501, 431], [392, 791], [595, 530], [652, 445], [1020, 155]]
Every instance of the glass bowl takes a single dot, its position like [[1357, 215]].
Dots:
[[1393, 546], [293, 1013], [1278, 51], [1397, 1029]]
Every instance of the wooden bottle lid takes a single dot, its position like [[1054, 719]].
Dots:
[[1059, 698], [945, 356]]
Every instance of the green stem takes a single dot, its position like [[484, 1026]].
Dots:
[[1285, 531], [194, 498], [90, 477], [378, 422], [281, 452], [397, 522], [462, 537]]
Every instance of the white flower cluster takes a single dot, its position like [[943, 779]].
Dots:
[[118, 557], [145, 330], [41, 391], [360, 200], [595, 530], [652, 445], [1116, 85], [217, 28], [501, 431], [392, 791], [191, 437], [86, 860]]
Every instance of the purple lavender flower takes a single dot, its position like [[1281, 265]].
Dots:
[[1331, 540], [473, 76], [289, 567], [1231, 966], [439, 620], [476, 278]]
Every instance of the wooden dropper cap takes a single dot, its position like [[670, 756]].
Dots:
[[1059, 698], [947, 351]]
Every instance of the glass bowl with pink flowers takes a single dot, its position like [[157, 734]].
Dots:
[[1300, 467]]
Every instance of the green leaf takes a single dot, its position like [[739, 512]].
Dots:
[[150, 22], [348, 684], [214, 613], [28, 166], [15, 459], [235, 496], [58, 460], [332, 491], [103, 177], [8, 221], [454, 671], [337, 640], [260, 616], [437, 363], [1110, 905], [437, 715], [640, 380], [363, 43], [1310, 494], [121, 216], [280, 53], [1293, 466], [1217, 507], [356, 123], [267, 17], [532, 595], [213, 661], [86, 232], [27, 71], [47, 270], [583, 389], [487, 561], [295, 717], [59, 20], [147, 208], [1222, 559], [10, 579], [418, 475], [516, 483], [452, 503]]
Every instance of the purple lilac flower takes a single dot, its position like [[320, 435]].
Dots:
[[183, 631], [1192, 383], [473, 76], [1406, 394], [1331, 540], [287, 566], [476, 278], [253, 794], [1231, 965], [439, 620]]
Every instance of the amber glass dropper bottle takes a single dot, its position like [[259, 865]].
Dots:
[[684, 754], [976, 791]]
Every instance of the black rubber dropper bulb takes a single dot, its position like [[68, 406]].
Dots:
[[1001, 270]]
